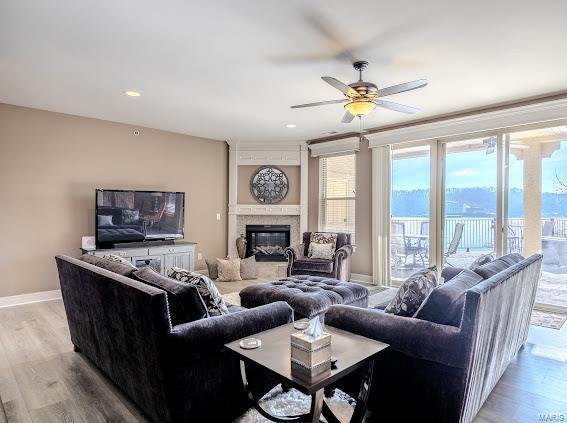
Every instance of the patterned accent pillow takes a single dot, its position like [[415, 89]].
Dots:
[[207, 289], [118, 259], [322, 251], [322, 238], [413, 292], [229, 270], [248, 269]]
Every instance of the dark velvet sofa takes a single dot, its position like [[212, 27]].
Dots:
[[444, 372], [298, 262], [173, 373]]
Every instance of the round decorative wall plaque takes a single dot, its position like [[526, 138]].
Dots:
[[269, 185]]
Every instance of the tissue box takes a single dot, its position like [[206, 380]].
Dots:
[[311, 356]]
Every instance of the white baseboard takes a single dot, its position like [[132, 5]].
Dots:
[[34, 297], [358, 277]]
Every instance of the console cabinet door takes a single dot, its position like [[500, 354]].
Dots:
[[182, 260]]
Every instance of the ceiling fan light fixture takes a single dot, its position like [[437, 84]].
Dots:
[[360, 108]]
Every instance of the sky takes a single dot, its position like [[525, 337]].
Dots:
[[476, 169]]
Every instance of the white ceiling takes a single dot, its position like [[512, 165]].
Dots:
[[231, 69]]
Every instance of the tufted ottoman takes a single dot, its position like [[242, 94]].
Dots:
[[308, 296]]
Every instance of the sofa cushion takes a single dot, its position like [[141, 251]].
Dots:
[[185, 303], [212, 266], [322, 251], [498, 265], [207, 289], [229, 270], [413, 292], [481, 261], [449, 273], [445, 303], [248, 268], [108, 264], [313, 265], [512, 259], [118, 259], [327, 238]]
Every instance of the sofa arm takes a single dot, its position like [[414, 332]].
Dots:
[[343, 253], [207, 335], [294, 252], [418, 338]]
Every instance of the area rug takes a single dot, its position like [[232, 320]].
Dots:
[[548, 320], [277, 402]]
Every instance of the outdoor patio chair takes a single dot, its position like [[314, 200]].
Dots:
[[454, 244], [402, 246], [515, 239]]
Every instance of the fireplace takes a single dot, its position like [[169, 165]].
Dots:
[[267, 242]]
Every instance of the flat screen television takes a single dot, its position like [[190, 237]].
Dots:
[[137, 216]]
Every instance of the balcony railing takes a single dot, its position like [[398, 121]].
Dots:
[[478, 232]]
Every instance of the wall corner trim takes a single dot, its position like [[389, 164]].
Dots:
[[347, 145], [33, 297]]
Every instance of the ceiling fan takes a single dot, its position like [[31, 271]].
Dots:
[[362, 97]]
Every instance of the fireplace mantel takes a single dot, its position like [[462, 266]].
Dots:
[[242, 154], [267, 209]]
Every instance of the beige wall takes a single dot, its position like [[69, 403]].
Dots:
[[362, 258], [245, 174], [50, 166]]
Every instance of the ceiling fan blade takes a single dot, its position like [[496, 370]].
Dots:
[[347, 117], [341, 86], [400, 88], [320, 103], [396, 106]]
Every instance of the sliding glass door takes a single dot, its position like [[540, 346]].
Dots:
[[470, 200], [453, 200], [410, 202]]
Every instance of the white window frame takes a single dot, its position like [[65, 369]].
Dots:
[[323, 199]]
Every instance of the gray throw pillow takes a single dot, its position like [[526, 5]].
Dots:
[[445, 303], [213, 268], [207, 289], [185, 302], [323, 238], [498, 265], [413, 292], [119, 259], [113, 266], [248, 269], [481, 261]]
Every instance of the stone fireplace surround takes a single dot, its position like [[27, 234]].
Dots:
[[240, 215]]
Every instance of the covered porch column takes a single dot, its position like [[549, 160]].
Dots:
[[532, 197]]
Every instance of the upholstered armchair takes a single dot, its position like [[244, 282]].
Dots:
[[298, 262]]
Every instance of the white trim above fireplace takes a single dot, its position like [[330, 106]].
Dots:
[[266, 209]]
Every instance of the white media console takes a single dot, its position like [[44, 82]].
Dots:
[[160, 257]]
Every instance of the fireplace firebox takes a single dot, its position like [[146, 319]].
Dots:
[[267, 242]]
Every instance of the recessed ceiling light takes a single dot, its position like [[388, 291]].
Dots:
[[130, 93], [291, 125]]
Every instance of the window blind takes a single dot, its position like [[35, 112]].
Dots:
[[337, 194]]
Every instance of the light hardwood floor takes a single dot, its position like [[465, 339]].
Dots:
[[43, 380]]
